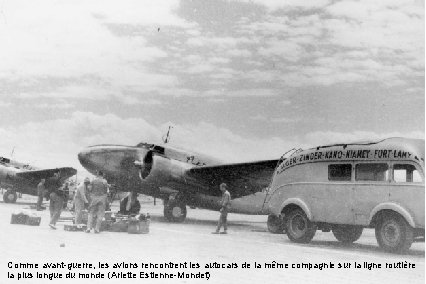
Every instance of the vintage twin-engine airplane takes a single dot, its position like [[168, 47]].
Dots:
[[180, 177], [23, 178]]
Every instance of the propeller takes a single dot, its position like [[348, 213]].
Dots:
[[145, 165]]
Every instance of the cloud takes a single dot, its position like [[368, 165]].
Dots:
[[289, 51], [59, 140], [56, 142], [266, 119], [61, 105], [241, 93], [224, 144], [338, 42], [292, 4], [317, 138], [66, 50], [5, 104], [133, 100]]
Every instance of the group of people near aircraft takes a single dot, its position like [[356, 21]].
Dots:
[[93, 195]]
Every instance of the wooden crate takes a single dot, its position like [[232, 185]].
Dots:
[[75, 228], [119, 226], [105, 225], [19, 219], [138, 227], [33, 221]]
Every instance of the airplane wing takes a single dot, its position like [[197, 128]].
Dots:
[[47, 173], [242, 178]]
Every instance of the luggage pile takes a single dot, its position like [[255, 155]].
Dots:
[[138, 224], [25, 218], [132, 224]]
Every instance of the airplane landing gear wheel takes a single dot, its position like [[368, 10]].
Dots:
[[175, 211], [10, 196], [275, 224]]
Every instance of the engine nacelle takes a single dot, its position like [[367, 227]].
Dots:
[[158, 170]]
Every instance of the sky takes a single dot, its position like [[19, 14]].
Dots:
[[237, 80]]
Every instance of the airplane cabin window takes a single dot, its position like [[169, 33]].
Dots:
[[371, 172], [4, 160], [406, 173], [339, 172]]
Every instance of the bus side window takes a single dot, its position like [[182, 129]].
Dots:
[[340, 172], [372, 172], [406, 173]]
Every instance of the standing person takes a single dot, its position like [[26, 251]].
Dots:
[[98, 202], [80, 200], [40, 193], [130, 204], [56, 201], [66, 194], [225, 204]]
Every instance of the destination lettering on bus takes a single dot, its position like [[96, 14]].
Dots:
[[378, 154]]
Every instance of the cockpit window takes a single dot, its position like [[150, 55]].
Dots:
[[4, 160], [158, 149]]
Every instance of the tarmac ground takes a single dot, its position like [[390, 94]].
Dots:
[[185, 252]]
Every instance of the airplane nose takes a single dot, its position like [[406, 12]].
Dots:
[[83, 157], [110, 159], [93, 158]]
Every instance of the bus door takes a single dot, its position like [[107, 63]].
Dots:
[[371, 187]]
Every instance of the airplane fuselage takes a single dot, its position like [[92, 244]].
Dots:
[[144, 170], [161, 172]]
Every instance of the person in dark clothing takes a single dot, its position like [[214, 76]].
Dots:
[[56, 197], [130, 204], [66, 195], [40, 193], [56, 206]]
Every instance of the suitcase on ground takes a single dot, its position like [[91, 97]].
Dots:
[[105, 225], [108, 215], [75, 228], [138, 227], [119, 226], [84, 216], [19, 219], [33, 221]]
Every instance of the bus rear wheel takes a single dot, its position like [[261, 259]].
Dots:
[[394, 234], [298, 227]]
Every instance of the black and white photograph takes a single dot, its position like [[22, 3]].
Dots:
[[212, 141]]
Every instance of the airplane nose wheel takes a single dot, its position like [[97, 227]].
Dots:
[[10, 196], [175, 211]]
